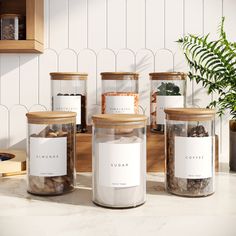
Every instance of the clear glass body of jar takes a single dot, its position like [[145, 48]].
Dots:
[[69, 93], [168, 89], [51, 152], [119, 160], [120, 93], [190, 145], [12, 27]]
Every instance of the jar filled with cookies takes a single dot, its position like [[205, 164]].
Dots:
[[51, 152], [69, 93], [190, 145], [120, 93]]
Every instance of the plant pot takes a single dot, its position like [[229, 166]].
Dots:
[[232, 145]]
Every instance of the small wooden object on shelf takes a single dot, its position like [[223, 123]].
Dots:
[[33, 10]]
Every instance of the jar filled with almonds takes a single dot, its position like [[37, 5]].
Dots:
[[51, 152], [120, 93]]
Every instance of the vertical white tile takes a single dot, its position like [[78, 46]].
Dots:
[[136, 24], [29, 80], [144, 65], [106, 62], [125, 60], [116, 24], [155, 24], [46, 23], [193, 24], [173, 23], [229, 13], [87, 62], [212, 17], [4, 116], [68, 61], [164, 60], [48, 62], [18, 127], [58, 24], [9, 70], [96, 24], [193, 17], [77, 24]]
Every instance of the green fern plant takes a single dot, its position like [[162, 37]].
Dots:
[[213, 63]]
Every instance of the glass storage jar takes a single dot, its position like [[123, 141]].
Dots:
[[119, 160], [12, 27], [190, 149], [168, 89], [51, 152], [69, 93], [120, 93]]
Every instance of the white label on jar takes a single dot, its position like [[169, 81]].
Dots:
[[193, 157], [120, 104], [68, 103], [119, 164], [48, 156], [166, 102]]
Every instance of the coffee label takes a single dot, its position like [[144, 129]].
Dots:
[[68, 103], [163, 102], [119, 164], [194, 157], [48, 156], [120, 104]]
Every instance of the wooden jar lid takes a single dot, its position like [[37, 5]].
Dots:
[[119, 76], [68, 76], [51, 117], [168, 76], [190, 114], [119, 120], [10, 16]]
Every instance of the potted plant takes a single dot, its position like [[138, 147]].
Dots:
[[213, 63]]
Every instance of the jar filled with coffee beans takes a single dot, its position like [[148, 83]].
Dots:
[[168, 89], [69, 93], [51, 152], [13, 27], [190, 149]]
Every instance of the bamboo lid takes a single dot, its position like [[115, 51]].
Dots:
[[10, 15], [51, 117], [119, 120], [119, 76], [190, 114], [168, 76], [68, 76]]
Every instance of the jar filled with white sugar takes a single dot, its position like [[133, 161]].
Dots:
[[119, 160]]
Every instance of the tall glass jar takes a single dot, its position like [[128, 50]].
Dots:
[[119, 160], [168, 89], [120, 93], [190, 149], [51, 152], [69, 93], [12, 27]]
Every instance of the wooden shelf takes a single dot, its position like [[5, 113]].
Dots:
[[155, 152], [33, 9]]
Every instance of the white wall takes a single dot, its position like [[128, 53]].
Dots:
[[107, 35]]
